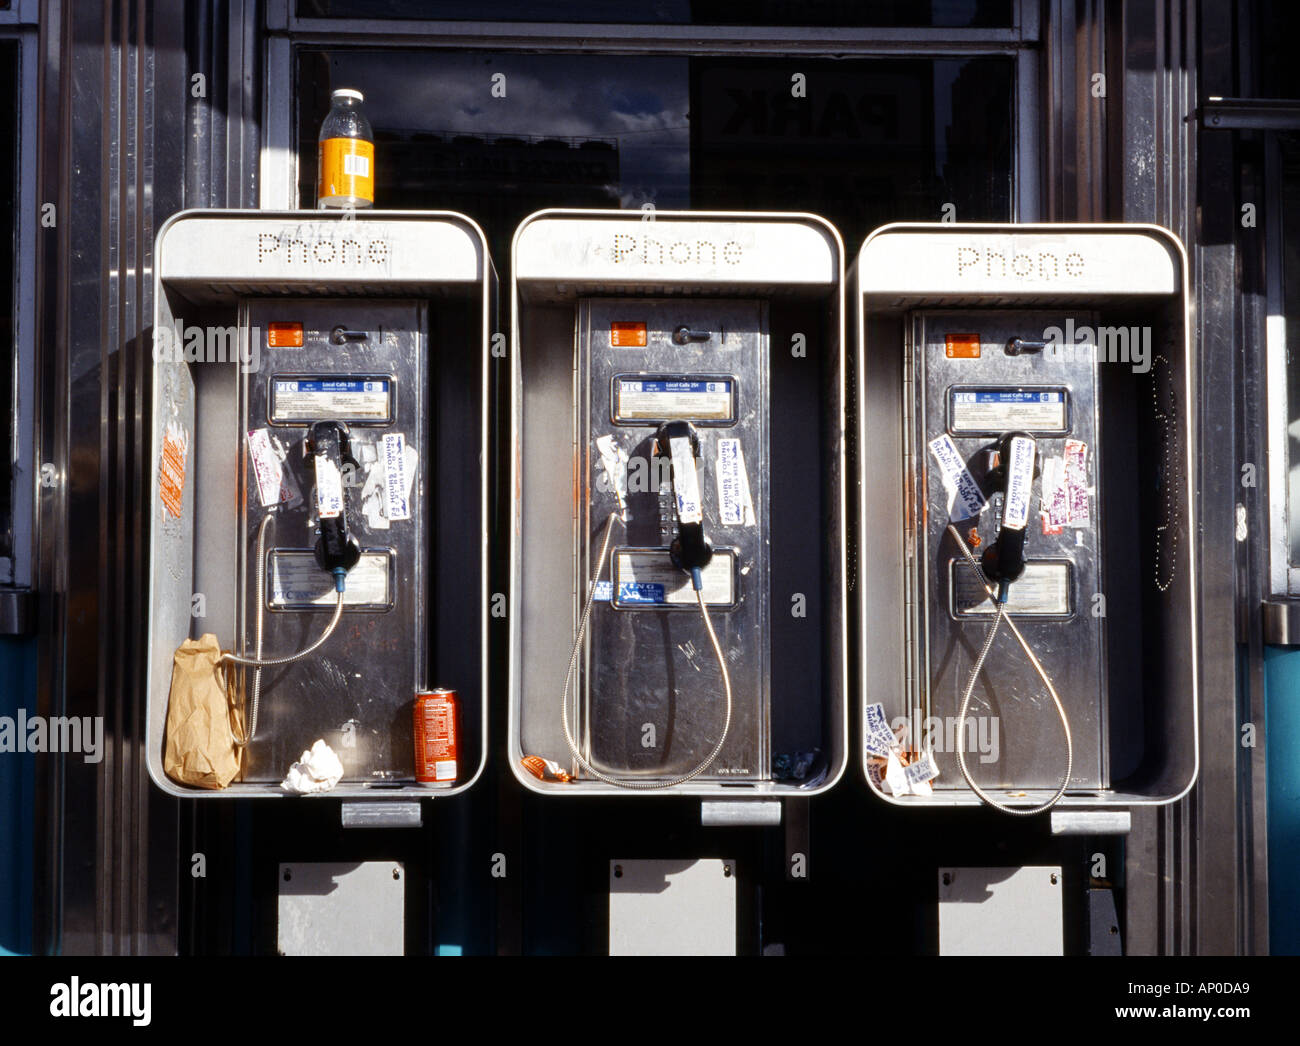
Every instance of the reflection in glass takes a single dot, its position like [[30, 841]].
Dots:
[[861, 142]]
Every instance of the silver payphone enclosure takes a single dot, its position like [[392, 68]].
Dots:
[[758, 368], [423, 284], [1109, 601]]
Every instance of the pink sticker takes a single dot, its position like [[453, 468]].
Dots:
[[1076, 481], [274, 485]]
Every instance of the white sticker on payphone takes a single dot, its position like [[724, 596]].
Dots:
[[613, 460], [329, 488], [964, 497], [397, 504], [1020, 483], [686, 481], [735, 506]]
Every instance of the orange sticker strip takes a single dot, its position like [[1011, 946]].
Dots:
[[627, 335], [171, 470], [962, 346]]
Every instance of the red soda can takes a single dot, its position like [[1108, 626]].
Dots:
[[435, 736]]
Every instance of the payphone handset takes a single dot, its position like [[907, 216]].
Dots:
[[331, 457], [673, 450], [1004, 459]]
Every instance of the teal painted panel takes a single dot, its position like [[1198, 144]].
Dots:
[[1282, 725]]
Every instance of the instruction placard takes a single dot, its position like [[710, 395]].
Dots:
[[647, 578], [989, 411], [667, 399], [300, 400], [1043, 590], [298, 583]]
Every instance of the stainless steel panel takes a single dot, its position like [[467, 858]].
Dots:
[[653, 691], [341, 908], [672, 907], [1030, 750], [1001, 911], [357, 691]]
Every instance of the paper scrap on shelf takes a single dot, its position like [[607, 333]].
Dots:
[[318, 770], [880, 739], [896, 775]]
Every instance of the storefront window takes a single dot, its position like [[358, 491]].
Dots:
[[499, 135]]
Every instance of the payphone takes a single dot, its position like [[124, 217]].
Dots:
[[675, 625], [334, 528], [1026, 583], [320, 501], [675, 430], [1004, 474]]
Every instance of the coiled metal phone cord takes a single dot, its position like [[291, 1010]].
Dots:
[[1000, 615], [256, 662], [573, 664]]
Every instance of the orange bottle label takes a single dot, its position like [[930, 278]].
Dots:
[[347, 168]]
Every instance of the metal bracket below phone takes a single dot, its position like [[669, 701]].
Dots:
[[744, 813], [1282, 622], [1091, 822], [380, 815], [17, 612]]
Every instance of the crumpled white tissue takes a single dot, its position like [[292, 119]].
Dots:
[[317, 771]]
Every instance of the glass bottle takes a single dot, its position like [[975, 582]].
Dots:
[[346, 170]]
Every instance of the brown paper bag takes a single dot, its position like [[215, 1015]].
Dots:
[[201, 749]]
